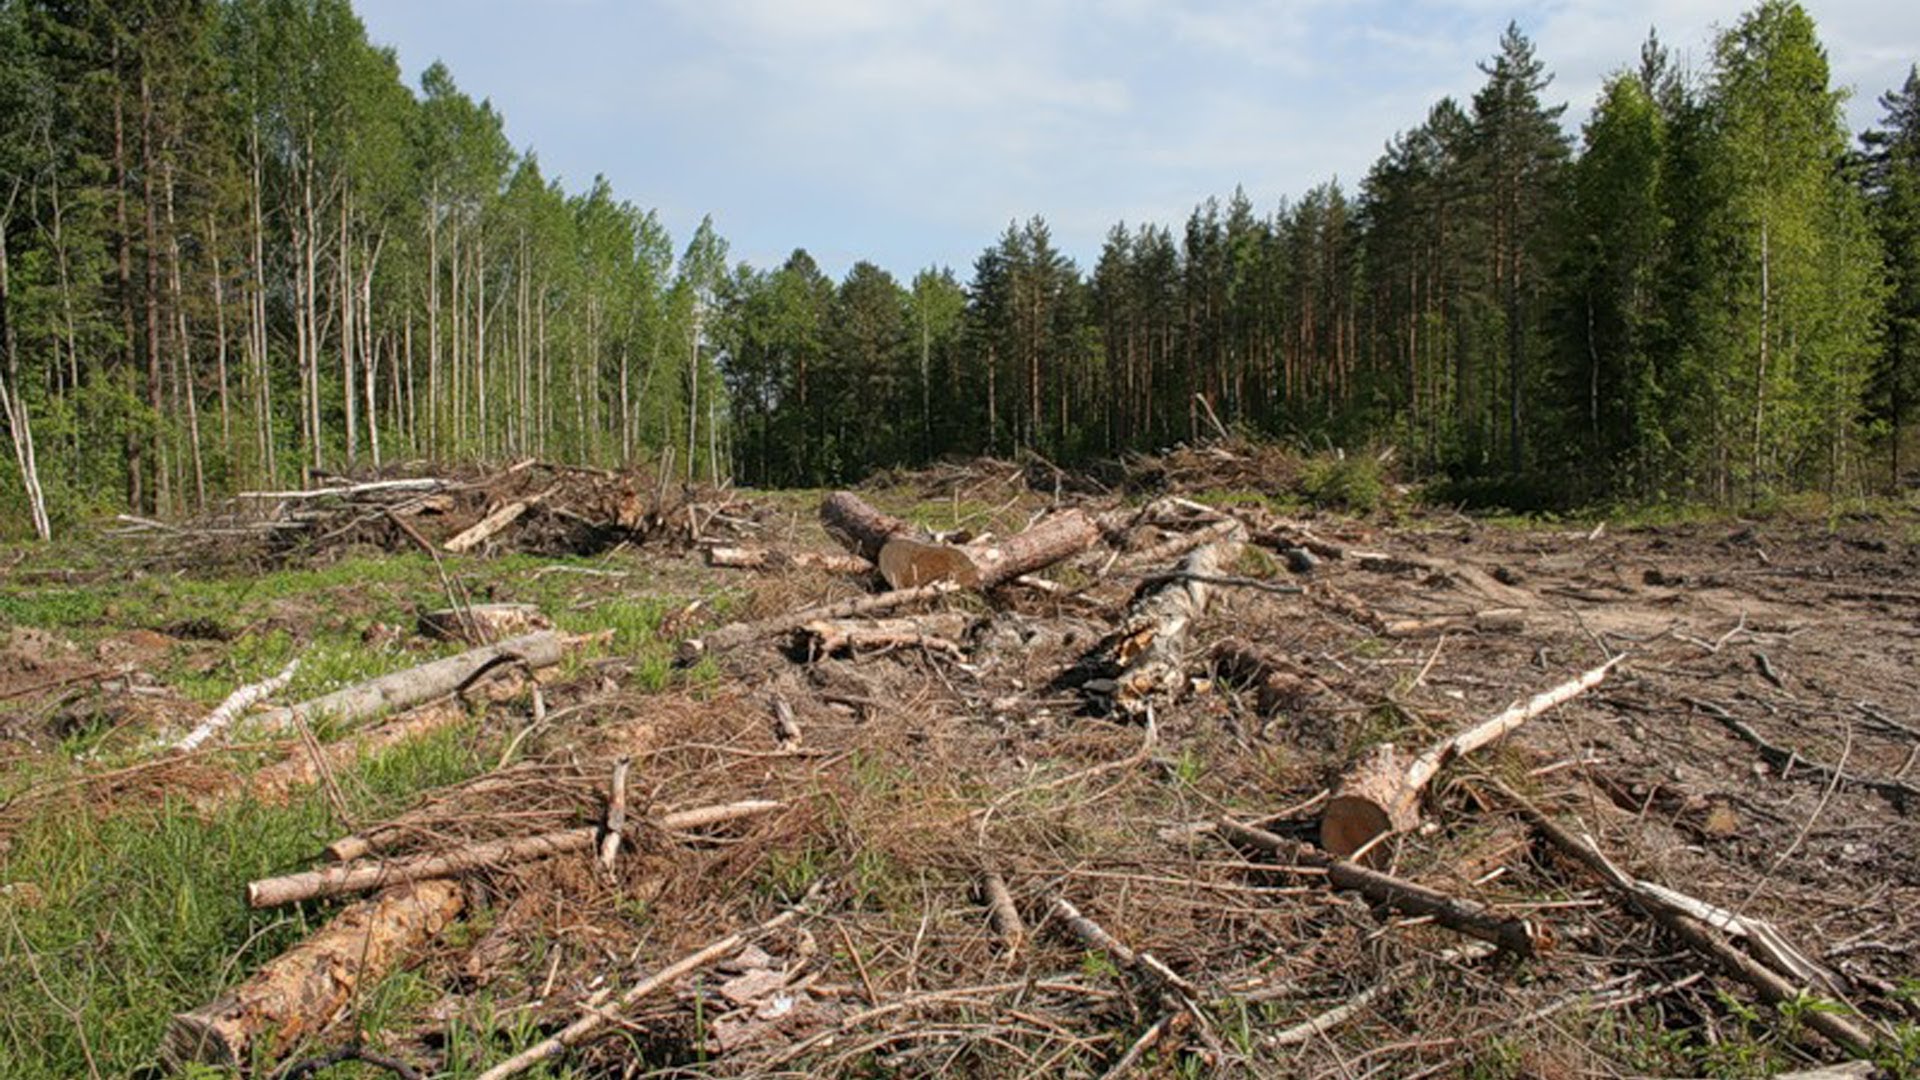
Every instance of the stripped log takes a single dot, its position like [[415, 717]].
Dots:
[[340, 880], [859, 527], [1381, 794], [486, 528], [734, 635], [1517, 936], [745, 558], [831, 637], [299, 992], [237, 702], [1150, 647], [403, 689]]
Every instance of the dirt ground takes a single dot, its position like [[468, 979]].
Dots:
[[1757, 747]]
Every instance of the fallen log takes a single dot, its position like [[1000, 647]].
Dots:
[[906, 561], [744, 558], [299, 992], [734, 635], [1176, 546], [414, 685], [485, 529], [340, 880], [933, 633], [858, 526], [1381, 794], [1517, 936], [1150, 648]]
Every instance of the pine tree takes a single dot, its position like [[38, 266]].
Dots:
[[1893, 190]]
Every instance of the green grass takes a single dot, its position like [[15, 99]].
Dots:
[[138, 912]]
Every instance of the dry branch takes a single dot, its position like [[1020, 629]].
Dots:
[[237, 702], [1001, 912], [1381, 794], [1681, 914], [1491, 621], [1517, 936], [590, 1023], [299, 992], [484, 529], [933, 633], [342, 879], [1094, 936]]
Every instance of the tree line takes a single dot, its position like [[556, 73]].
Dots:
[[237, 250]]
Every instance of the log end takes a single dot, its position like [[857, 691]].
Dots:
[[907, 563], [209, 1035], [1350, 823]]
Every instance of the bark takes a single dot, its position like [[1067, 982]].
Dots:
[[299, 992], [1058, 537], [1150, 647], [859, 527], [734, 635], [344, 879], [236, 703], [1381, 794], [493, 523], [412, 686], [933, 633]]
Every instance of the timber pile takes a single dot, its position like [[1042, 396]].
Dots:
[[1072, 788], [530, 507]]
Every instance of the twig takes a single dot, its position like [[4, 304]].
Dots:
[[616, 814], [590, 1024], [1784, 759], [300, 1070]]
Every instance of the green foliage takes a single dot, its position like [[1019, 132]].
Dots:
[[1352, 482]]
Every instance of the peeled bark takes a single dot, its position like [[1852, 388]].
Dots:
[[301, 991], [1150, 648]]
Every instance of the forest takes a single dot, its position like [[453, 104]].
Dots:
[[238, 250]]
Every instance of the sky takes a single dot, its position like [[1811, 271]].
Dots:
[[910, 133]]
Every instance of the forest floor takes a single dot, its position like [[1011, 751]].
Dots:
[[1756, 747]]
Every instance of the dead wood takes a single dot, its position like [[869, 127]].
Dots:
[[481, 624], [340, 880], [591, 1022], [1491, 621], [858, 526], [1517, 936], [236, 703], [414, 685], [1786, 760], [299, 992], [934, 633], [616, 814], [1279, 681], [493, 523], [1380, 795], [1177, 546], [746, 558], [1150, 648], [734, 635], [1001, 912], [1144, 964], [1682, 915]]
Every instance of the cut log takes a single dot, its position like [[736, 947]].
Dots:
[[485, 529], [299, 992], [734, 635], [859, 527], [742, 558], [1381, 794], [1150, 648], [403, 689], [1002, 913], [341, 880], [1517, 936], [906, 561], [483, 624]]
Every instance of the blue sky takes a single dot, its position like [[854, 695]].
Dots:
[[910, 132]]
